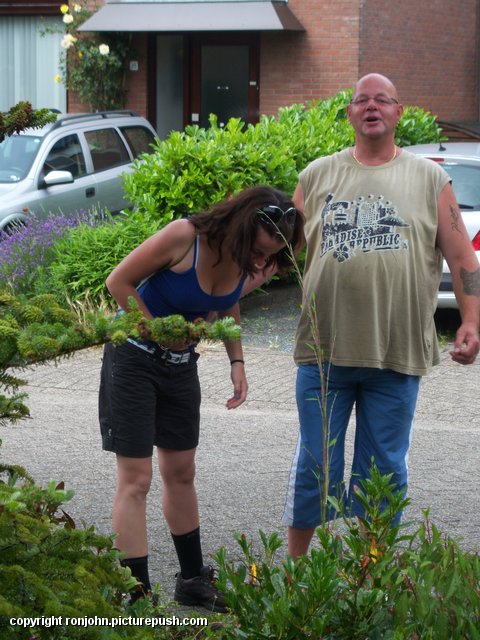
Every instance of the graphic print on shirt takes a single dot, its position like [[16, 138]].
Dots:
[[365, 224]]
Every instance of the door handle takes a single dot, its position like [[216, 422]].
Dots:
[[90, 192]]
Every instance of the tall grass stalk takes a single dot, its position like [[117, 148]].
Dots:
[[323, 476]]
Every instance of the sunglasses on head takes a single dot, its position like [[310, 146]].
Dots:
[[271, 214]]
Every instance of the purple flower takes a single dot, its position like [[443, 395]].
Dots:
[[30, 248]]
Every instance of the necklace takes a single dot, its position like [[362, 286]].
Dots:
[[363, 164]]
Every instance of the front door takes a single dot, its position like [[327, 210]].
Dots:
[[223, 79]]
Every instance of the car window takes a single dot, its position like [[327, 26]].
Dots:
[[107, 149], [139, 139], [66, 155], [17, 154], [465, 183]]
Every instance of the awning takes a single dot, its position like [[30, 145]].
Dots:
[[193, 16]]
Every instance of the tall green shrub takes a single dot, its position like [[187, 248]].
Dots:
[[192, 169]]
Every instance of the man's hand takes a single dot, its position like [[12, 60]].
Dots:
[[467, 344]]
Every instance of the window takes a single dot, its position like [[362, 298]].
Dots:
[[139, 139], [29, 63], [17, 154], [106, 148], [465, 183], [66, 155]]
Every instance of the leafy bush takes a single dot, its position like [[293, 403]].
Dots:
[[191, 170], [195, 168], [369, 582], [83, 258], [417, 126]]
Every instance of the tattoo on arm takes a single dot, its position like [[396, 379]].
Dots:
[[455, 216], [471, 281]]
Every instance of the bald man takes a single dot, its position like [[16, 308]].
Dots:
[[377, 222]]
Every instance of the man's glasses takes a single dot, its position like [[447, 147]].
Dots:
[[273, 215], [381, 100]]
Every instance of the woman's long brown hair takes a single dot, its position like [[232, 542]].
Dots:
[[232, 225]]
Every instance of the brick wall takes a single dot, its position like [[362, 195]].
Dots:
[[136, 82], [301, 66], [429, 49]]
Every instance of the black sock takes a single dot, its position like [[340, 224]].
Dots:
[[139, 569], [189, 552]]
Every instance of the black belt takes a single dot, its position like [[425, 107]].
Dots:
[[168, 356]]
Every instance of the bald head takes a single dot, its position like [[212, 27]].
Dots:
[[375, 83]]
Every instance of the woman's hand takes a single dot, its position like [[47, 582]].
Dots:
[[240, 385]]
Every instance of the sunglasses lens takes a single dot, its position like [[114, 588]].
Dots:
[[273, 214], [290, 216]]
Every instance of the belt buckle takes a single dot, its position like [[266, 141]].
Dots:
[[173, 357]]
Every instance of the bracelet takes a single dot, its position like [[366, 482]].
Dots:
[[233, 361]]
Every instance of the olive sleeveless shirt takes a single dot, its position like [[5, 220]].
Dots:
[[373, 268]]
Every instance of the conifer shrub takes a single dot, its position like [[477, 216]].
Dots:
[[39, 328], [50, 568], [65, 580]]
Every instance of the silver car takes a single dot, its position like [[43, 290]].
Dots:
[[71, 165], [462, 161]]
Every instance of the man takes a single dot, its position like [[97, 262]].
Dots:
[[377, 221]]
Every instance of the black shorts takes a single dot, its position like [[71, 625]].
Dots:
[[145, 401]]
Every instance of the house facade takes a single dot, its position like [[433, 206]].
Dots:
[[245, 58]]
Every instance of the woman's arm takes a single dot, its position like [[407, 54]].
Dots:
[[237, 364]]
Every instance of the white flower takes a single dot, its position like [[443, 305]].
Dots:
[[68, 18], [104, 49], [67, 41], [77, 8]]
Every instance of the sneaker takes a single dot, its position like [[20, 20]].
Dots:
[[200, 591]]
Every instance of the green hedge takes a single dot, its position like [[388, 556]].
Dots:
[[192, 169]]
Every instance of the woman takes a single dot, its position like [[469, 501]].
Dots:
[[150, 394]]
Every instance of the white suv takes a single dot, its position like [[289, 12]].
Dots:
[[71, 165]]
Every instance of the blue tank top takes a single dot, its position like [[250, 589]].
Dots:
[[167, 293]]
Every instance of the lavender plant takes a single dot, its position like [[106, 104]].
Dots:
[[28, 251]]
